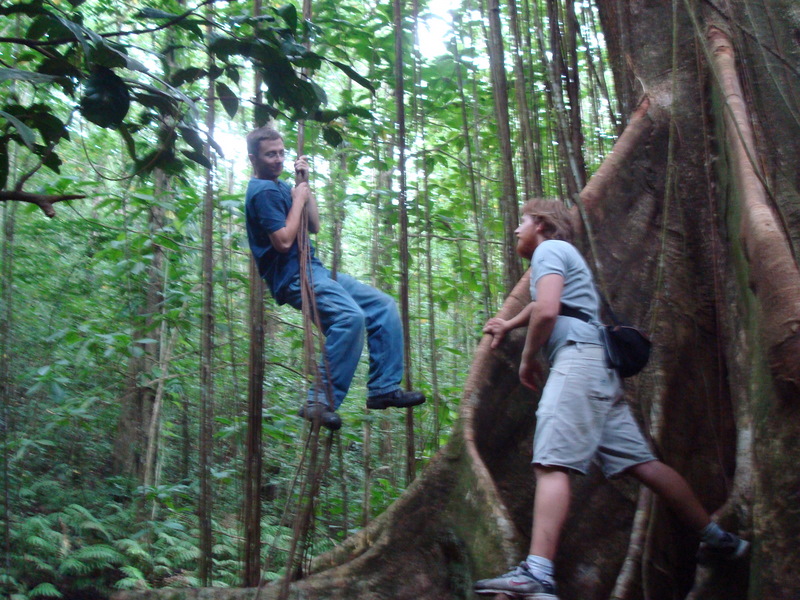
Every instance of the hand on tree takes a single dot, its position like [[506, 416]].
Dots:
[[497, 328]]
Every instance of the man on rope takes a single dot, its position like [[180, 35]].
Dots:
[[582, 415], [345, 307]]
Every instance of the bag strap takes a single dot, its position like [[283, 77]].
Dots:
[[568, 311], [608, 308]]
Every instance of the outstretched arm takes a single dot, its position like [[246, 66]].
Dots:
[[498, 328]]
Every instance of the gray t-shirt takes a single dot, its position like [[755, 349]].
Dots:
[[562, 258]]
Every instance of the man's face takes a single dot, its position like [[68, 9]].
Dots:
[[527, 236], [268, 163]]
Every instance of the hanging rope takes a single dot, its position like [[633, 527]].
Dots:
[[316, 468]]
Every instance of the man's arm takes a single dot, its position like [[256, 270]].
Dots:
[[283, 238], [302, 196], [498, 327], [544, 313]]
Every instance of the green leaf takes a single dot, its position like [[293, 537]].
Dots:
[[20, 75], [192, 137], [288, 12], [332, 136], [187, 75], [263, 113], [25, 132], [154, 13], [52, 160], [50, 127], [354, 75], [79, 33], [198, 157], [326, 116], [229, 100], [30, 9], [232, 72], [106, 98], [224, 46]]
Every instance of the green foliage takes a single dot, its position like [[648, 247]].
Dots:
[[106, 299], [107, 75]]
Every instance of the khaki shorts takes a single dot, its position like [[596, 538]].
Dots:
[[582, 416]]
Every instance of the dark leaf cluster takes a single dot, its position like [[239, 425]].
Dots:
[[110, 88]]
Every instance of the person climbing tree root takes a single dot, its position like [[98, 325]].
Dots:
[[582, 417]]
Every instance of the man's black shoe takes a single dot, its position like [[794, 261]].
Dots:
[[396, 399], [328, 418]]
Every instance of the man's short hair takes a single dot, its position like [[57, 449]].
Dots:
[[262, 133], [558, 219]]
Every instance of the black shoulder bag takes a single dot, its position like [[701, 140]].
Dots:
[[627, 347]]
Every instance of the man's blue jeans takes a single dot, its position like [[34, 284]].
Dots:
[[348, 308]]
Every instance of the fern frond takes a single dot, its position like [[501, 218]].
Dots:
[[87, 526], [41, 543], [38, 563], [221, 550], [133, 549], [134, 581], [76, 510], [99, 553], [6, 579], [45, 590], [132, 571], [73, 566], [184, 554]]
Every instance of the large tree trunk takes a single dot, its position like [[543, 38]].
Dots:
[[694, 217]]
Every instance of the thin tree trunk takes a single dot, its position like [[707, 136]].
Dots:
[[205, 505], [255, 406], [598, 71], [154, 304], [477, 213], [573, 93], [536, 157], [6, 330], [337, 215], [570, 170], [424, 198], [530, 173], [512, 269], [399, 91]]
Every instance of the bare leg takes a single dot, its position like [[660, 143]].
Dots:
[[550, 508], [674, 490]]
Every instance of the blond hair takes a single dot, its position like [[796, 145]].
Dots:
[[558, 219]]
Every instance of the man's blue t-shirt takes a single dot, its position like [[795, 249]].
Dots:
[[267, 204], [562, 258]]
